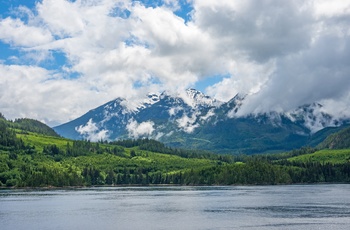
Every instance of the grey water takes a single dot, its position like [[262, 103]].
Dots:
[[325, 206]]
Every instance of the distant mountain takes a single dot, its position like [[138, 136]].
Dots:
[[197, 121]]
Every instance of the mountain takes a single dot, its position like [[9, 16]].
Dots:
[[196, 121]]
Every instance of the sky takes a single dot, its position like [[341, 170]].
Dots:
[[61, 58]]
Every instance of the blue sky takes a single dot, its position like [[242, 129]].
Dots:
[[59, 58]]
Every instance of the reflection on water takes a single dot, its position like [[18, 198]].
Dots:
[[238, 207]]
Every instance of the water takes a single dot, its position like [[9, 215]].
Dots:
[[239, 207]]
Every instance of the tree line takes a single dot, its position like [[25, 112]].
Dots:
[[147, 162]]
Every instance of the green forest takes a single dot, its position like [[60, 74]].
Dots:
[[33, 155]]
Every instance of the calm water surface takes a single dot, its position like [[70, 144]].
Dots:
[[238, 207]]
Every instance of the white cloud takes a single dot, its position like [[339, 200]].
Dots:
[[29, 91], [142, 129], [283, 53], [332, 8], [209, 114], [174, 110], [64, 18], [258, 29], [338, 108], [16, 33], [318, 73], [188, 123], [246, 78], [288, 53], [91, 132]]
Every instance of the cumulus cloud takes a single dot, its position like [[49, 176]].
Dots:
[[282, 53], [16, 33], [290, 53], [90, 131], [30, 91], [246, 78], [259, 29], [338, 108], [317, 73], [142, 129]]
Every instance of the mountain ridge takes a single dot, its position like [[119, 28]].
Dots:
[[197, 121]]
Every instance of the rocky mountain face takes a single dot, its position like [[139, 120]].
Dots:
[[196, 121]]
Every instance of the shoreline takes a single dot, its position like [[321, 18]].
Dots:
[[160, 185]]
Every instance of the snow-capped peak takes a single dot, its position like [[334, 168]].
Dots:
[[234, 104], [137, 104], [197, 98]]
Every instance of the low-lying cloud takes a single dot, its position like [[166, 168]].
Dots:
[[188, 123], [90, 131], [138, 130]]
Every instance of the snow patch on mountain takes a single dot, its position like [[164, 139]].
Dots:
[[134, 105], [235, 104], [196, 98], [192, 98]]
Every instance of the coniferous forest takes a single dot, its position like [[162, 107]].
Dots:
[[33, 155]]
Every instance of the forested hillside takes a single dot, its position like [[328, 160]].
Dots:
[[29, 125], [339, 140], [29, 159], [34, 126]]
